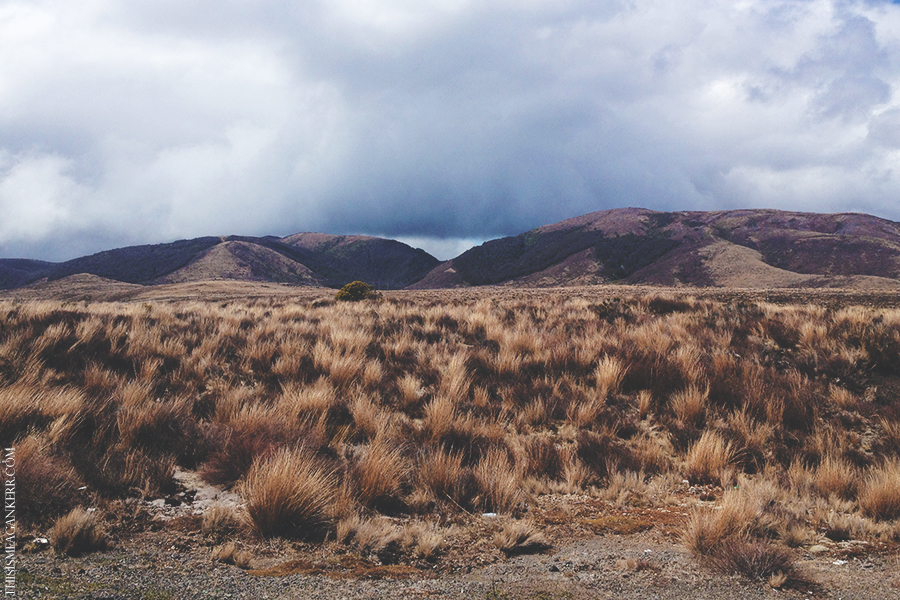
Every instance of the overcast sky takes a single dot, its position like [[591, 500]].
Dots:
[[438, 122]]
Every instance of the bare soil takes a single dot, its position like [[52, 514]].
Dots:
[[598, 550]]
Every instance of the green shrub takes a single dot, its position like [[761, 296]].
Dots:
[[355, 290]]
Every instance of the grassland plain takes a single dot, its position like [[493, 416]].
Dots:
[[349, 446]]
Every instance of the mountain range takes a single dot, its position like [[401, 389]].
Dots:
[[737, 248]]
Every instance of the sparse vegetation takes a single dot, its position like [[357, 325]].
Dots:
[[231, 554], [328, 416], [520, 537], [77, 533]]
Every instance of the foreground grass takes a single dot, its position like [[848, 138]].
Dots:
[[327, 415]]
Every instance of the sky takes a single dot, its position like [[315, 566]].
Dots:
[[441, 123]]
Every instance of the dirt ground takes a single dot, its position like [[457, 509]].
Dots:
[[596, 550]]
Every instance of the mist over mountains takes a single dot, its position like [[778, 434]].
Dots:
[[739, 248]]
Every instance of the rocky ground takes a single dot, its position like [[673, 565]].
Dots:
[[644, 565], [598, 550]]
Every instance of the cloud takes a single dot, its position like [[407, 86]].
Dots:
[[447, 122]]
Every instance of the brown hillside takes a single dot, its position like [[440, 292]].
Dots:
[[243, 261], [302, 259], [741, 248]]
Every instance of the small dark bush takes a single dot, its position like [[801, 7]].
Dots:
[[354, 291]]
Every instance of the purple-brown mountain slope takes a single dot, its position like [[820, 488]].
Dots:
[[740, 248], [301, 259]]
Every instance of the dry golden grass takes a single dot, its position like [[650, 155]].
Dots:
[[424, 540], [710, 459], [689, 405], [708, 528], [77, 533], [220, 520], [755, 559], [835, 476], [380, 475], [289, 494], [49, 484], [444, 403], [231, 554], [520, 537], [499, 483], [880, 494]]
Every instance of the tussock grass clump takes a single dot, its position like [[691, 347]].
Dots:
[[220, 520], [710, 458], [380, 476], [836, 476], [880, 494], [441, 474], [231, 554], [290, 494], [723, 539], [424, 540], [689, 405], [755, 559], [78, 532], [500, 485], [48, 483], [520, 537], [707, 529], [376, 536]]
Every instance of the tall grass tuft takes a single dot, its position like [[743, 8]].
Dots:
[[290, 494], [879, 497], [77, 533], [710, 458]]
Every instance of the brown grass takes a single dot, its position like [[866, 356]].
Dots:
[[48, 483], [708, 529], [755, 559], [520, 537], [710, 458], [836, 476], [499, 483], [689, 405], [441, 403], [219, 521], [380, 475], [880, 494], [78, 532], [289, 494], [231, 554]]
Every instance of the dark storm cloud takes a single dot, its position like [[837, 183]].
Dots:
[[443, 123]]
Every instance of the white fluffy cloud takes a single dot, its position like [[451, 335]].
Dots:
[[441, 122]]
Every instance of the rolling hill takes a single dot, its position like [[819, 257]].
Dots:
[[301, 259], [739, 248]]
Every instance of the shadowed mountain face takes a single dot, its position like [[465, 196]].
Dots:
[[742, 248], [386, 264], [330, 261]]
